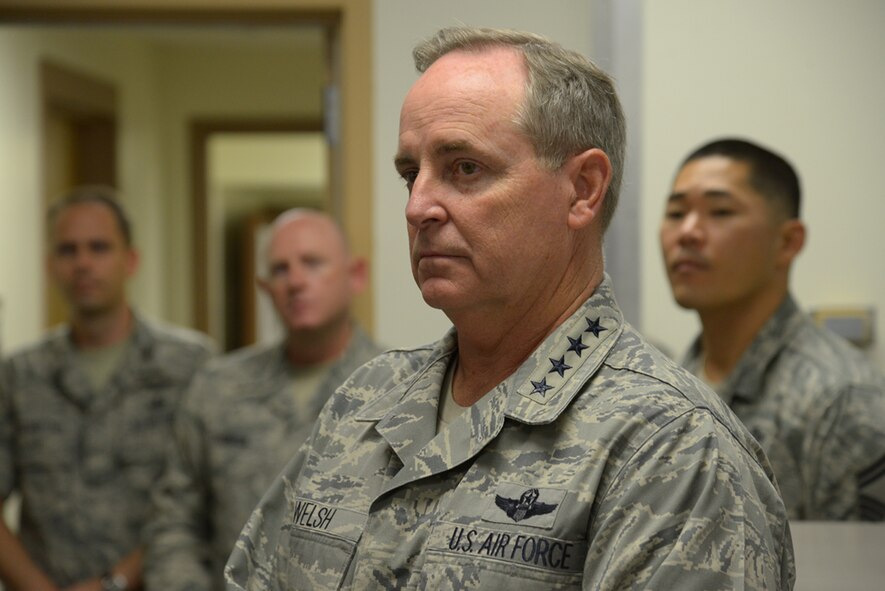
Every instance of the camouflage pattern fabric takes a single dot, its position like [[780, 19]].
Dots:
[[599, 464], [238, 427], [84, 460], [817, 406]]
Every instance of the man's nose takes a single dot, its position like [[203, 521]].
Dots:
[[297, 276], [425, 202], [691, 229]]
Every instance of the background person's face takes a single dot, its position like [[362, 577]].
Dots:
[[310, 275], [719, 237], [90, 261]]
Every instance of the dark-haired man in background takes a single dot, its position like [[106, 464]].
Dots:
[[730, 233], [85, 414]]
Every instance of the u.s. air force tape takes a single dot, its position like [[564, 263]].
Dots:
[[524, 548]]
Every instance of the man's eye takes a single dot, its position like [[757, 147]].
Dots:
[[466, 167], [409, 177], [674, 214], [65, 250], [721, 213]]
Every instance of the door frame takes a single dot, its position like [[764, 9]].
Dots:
[[351, 24]]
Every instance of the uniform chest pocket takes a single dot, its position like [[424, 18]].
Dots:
[[475, 557], [310, 560]]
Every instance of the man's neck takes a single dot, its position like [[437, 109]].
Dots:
[[493, 345], [729, 331], [320, 346], [96, 330]]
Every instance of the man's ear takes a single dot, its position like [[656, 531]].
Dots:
[[792, 239], [590, 173], [133, 258], [359, 274], [263, 285]]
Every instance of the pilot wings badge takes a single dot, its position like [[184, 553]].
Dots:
[[527, 505]]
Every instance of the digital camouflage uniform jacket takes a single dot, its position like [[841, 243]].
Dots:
[[237, 429], [817, 406], [84, 460], [599, 464]]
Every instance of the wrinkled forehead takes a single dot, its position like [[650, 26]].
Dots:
[[488, 76]]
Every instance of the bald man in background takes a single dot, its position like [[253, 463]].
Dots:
[[248, 412]]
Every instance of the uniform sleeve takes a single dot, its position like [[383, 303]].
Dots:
[[691, 510], [177, 534], [7, 450], [250, 566], [847, 458]]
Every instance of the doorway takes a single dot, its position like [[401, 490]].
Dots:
[[79, 143]]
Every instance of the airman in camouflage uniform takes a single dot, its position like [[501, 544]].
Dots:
[[85, 415], [249, 412], [541, 444], [238, 427], [730, 234], [84, 460], [817, 406], [647, 481]]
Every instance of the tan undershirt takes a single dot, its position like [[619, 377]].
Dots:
[[99, 364], [304, 383], [449, 410]]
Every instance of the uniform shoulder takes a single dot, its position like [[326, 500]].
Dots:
[[243, 362], [172, 335], [827, 358], [39, 354], [644, 381]]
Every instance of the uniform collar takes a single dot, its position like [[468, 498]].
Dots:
[[745, 380], [537, 393], [139, 361]]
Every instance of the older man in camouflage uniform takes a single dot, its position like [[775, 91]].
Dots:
[[541, 444], [85, 414], [247, 413], [730, 234]]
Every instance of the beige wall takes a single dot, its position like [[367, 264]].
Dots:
[[803, 76]]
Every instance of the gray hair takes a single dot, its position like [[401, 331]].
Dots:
[[570, 104]]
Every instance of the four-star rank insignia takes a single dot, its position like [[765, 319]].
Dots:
[[594, 326], [527, 506]]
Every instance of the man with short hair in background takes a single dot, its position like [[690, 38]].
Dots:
[[730, 233], [541, 443], [85, 413], [248, 412]]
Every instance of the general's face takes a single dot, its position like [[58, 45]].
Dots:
[[486, 221], [311, 278], [719, 237], [90, 261]]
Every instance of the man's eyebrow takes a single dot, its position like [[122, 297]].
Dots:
[[401, 160], [710, 194]]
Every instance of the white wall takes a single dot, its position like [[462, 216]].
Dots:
[[105, 54], [401, 316], [806, 78]]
